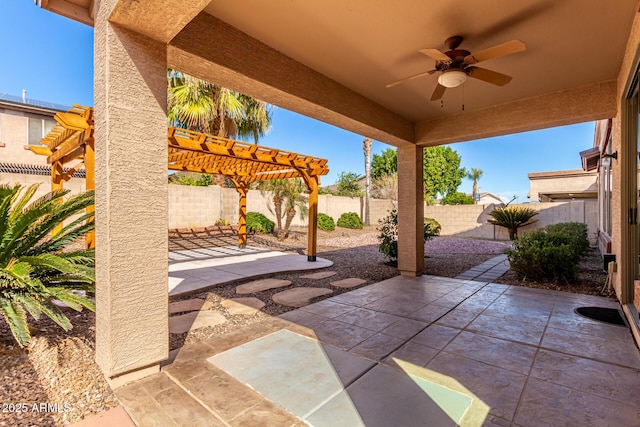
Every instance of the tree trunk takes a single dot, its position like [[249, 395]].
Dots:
[[366, 146], [291, 214], [277, 207]]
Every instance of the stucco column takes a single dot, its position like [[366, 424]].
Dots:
[[131, 201], [410, 211]]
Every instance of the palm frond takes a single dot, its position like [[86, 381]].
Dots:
[[54, 313], [16, 318], [34, 270], [73, 300]]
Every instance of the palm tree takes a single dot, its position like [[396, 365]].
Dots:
[[475, 175], [34, 270], [205, 107], [366, 146], [286, 197]]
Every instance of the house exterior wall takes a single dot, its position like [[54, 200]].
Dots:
[[14, 133], [561, 182]]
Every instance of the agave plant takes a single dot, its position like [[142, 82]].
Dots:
[[512, 218], [34, 269]]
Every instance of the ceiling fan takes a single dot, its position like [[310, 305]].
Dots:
[[456, 65]]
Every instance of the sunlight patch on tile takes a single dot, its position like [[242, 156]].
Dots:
[[459, 403]]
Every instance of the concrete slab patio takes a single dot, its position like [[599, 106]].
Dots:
[[406, 351], [195, 269]]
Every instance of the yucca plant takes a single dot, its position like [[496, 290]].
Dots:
[[34, 269], [512, 218]]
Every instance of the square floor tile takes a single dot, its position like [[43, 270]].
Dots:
[[544, 403], [291, 370], [528, 331], [601, 379], [503, 354], [386, 397], [599, 348], [499, 388]]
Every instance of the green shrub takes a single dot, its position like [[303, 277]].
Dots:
[[222, 222], [551, 253], [512, 218], [35, 268], [456, 198], [577, 233], [350, 220], [388, 238], [431, 228], [325, 222], [258, 223]]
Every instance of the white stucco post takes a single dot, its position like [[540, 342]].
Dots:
[[410, 211], [131, 201]]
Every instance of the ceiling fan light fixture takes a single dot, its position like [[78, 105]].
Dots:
[[452, 78]]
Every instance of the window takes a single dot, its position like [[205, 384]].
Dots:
[[38, 128]]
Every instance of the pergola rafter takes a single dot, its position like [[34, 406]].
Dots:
[[241, 162]]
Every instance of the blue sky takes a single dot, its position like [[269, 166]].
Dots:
[[52, 58]]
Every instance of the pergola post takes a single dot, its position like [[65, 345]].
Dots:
[[242, 188], [312, 233], [56, 184], [410, 211]]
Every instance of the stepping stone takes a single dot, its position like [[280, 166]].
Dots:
[[299, 297], [193, 304], [250, 305], [351, 282], [320, 275], [194, 320], [261, 285]]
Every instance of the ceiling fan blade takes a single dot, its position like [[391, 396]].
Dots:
[[488, 76], [438, 92], [410, 78], [435, 54], [508, 48]]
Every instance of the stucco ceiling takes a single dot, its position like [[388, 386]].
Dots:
[[365, 44]]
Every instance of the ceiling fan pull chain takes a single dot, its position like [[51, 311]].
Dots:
[[462, 97]]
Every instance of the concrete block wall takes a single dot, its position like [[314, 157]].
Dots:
[[471, 221]]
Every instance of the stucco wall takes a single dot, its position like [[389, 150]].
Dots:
[[14, 134]]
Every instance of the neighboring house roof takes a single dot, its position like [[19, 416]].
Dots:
[[30, 104], [488, 196]]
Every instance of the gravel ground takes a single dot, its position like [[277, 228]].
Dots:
[[59, 367]]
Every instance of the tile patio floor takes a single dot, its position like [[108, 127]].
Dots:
[[427, 351]]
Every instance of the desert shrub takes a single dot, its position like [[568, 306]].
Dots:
[[551, 253], [350, 220], [512, 218], [258, 223], [222, 222], [325, 222], [388, 237]]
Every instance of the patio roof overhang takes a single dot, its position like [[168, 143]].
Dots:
[[71, 139]]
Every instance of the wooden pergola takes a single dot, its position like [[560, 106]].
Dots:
[[241, 162], [70, 142]]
